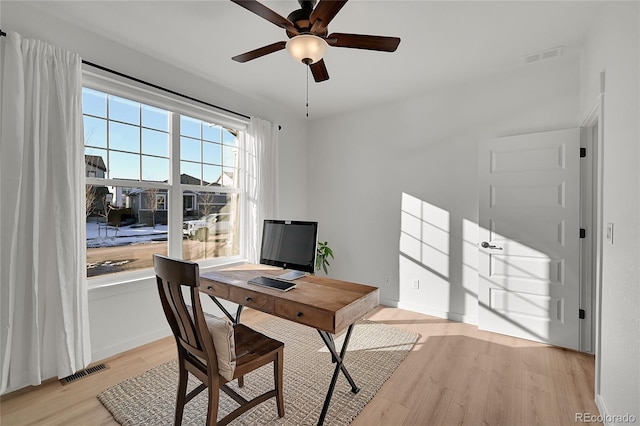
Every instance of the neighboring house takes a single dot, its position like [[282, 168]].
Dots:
[[95, 194], [148, 204], [227, 179], [94, 166]]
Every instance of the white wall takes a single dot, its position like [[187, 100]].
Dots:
[[369, 169], [613, 47], [126, 316]]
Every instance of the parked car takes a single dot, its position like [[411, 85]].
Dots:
[[211, 224]]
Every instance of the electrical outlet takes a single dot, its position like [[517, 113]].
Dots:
[[415, 284], [387, 280]]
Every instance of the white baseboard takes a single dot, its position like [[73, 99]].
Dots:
[[452, 316], [603, 409], [108, 351], [389, 302]]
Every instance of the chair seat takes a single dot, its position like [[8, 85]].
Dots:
[[251, 349]]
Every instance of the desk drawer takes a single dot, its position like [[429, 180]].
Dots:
[[215, 289], [307, 315], [252, 299]]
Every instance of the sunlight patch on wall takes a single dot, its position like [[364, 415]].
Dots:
[[470, 266], [424, 256], [424, 234]]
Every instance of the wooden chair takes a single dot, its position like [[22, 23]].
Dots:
[[211, 348]]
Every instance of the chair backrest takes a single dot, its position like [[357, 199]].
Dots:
[[191, 333]]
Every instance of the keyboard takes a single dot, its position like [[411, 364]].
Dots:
[[272, 283]]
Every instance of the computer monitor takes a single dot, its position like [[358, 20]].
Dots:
[[291, 245]]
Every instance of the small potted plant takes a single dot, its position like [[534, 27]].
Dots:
[[323, 254]]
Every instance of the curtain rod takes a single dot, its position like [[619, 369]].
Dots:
[[155, 86]]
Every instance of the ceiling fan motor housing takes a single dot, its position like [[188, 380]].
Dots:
[[300, 20]]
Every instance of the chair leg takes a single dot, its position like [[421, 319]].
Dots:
[[241, 381], [278, 364], [214, 398], [182, 392]]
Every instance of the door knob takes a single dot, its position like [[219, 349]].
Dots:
[[485, 244]]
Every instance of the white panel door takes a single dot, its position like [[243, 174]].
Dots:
[[529, 236]]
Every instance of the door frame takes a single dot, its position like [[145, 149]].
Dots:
[[593, 129]]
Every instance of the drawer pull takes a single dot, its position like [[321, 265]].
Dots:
[[209, 287], [299, 314], [247, 299]]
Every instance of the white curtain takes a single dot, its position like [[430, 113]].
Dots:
[[44, 316], [262, 181]]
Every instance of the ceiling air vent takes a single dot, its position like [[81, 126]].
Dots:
[[542, 56]]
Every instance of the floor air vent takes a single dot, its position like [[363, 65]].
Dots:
[[83, 373]]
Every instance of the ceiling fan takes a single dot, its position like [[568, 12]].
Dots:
[[307, 32]]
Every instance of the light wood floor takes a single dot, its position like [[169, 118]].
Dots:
[[455, 375]]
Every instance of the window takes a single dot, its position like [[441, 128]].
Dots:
[[209, 157], [141, 158], [161, 202], [189, 202]]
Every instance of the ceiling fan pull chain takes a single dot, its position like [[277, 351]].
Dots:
[[308, 91]]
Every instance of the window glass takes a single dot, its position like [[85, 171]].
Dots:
[[155, 118], [212, 133], [94, 103], [122, 231], [124, 137], [212, 153], [124, 110], [212, 230], [212, 175], [191, 170], [230, 156], [155, 169], [230, 175], [123, 165], [95, 131], [155, 143], [190, 127], [229, 137], [190, 149]]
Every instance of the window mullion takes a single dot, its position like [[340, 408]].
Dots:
[[175, 190]]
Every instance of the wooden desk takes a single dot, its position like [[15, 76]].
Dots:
[[325, 304]]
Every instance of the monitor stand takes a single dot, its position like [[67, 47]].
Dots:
[[292, 275]]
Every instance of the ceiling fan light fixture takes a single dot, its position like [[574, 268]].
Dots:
[[307, 48]]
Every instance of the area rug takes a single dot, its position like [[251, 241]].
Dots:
[[374, 352]]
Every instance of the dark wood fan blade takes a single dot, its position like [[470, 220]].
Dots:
[[359, 41], [324, 12], [319, 71], [260, 52], [266, 13]]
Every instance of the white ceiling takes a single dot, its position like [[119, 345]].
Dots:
[[443, 42]]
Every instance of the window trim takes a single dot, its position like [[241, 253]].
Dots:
[[119, 86]]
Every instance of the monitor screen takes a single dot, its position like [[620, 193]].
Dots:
[[289, 244]]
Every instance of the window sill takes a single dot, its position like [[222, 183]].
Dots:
[[130, 280]]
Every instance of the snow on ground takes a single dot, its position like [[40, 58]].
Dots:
[[99, 235]]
